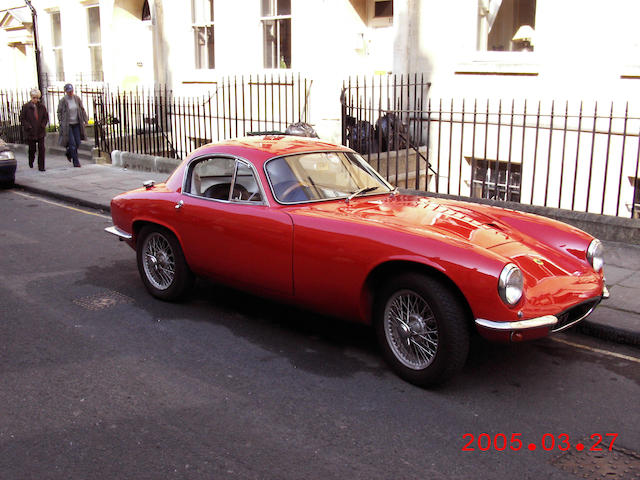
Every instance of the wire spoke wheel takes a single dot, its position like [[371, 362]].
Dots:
[[422, 327], [158, 260], [411, 329]]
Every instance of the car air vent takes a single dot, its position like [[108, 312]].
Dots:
[[574, 315], [493, 225]]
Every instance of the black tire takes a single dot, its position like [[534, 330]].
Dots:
[[431, 342], [161, 264], [8, 183]]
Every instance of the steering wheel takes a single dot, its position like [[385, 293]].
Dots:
[[292, 188], [255, 194], [239, 192], [220, 191]]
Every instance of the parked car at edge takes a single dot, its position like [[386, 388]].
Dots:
[[8, 165], [311, 223]]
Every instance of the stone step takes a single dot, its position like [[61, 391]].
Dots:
[[83, 153], [52, 141], [84, 149]]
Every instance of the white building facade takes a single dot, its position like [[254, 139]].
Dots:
[[573, 52], [579, 49]]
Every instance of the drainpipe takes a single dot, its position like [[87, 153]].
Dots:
[[34, 16]]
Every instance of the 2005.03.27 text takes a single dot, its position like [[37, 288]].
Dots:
[[500, 442]]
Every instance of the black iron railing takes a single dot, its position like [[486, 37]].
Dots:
[[158, 122], [11, 102], [573, 155]]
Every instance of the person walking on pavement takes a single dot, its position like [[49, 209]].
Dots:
[[72, 118], [34, 119]]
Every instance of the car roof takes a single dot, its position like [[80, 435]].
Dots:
[[259, 149]]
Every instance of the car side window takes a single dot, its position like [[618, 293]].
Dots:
[[246, 186], [212, 178], [226, 179]]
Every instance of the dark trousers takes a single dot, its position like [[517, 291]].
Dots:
[[74, 143], [32, 152]]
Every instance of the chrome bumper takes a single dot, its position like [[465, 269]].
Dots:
[[545, 321], [121, 234]]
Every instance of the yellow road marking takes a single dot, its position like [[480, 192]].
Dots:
[[597, 350], [60, 205]]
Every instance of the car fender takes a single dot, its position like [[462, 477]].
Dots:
[[387, 268]]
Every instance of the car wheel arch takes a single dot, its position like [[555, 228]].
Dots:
[[383, 272], [138, 225], [161, 262]]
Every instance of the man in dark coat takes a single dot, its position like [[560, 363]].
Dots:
[[34, 119]]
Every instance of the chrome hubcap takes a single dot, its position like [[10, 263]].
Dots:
[[411, 329], [158, 261]]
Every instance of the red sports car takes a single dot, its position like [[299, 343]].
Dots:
[[311, 223]]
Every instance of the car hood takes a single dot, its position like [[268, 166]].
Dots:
[[480, 225], [421, 215]]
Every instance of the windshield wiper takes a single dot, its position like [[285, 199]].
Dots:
[[360, 191]]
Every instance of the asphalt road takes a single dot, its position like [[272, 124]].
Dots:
[[100, 380]]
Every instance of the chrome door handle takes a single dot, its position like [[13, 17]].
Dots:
[[179, 205]]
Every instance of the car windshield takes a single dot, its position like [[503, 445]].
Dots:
[[322, 176]]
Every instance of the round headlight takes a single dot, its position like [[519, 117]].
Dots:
[[595, 255], [510, 284]]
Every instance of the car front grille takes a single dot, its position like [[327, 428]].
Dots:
[[572, 316]]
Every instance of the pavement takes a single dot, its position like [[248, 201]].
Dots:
[[94, 185]]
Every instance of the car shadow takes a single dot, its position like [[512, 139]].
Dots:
[[335, 348], [316, 343]]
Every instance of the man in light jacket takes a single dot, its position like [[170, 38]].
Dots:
[[72, 118]]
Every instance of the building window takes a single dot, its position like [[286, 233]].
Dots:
[[95, 43], [381, 13], [146, 12], [383, 8], [56, 41], [202, 11], [490, 180], [506, 25], [276, 33]]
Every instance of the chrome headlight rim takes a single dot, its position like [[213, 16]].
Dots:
[[595, 255], [511, 284]]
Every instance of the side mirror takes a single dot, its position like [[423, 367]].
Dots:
[[148, 184]]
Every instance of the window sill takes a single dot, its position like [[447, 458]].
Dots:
[[500, 63], [381, 22], [204, 76], [630, 72]]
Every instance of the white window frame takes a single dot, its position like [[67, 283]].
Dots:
[[277, 19], [97, 74], [382, 20], [207, 24], [487, 166], [488, 11], [57, 49], [486, 62]]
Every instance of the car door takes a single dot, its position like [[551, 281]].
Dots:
[[229, 231]]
